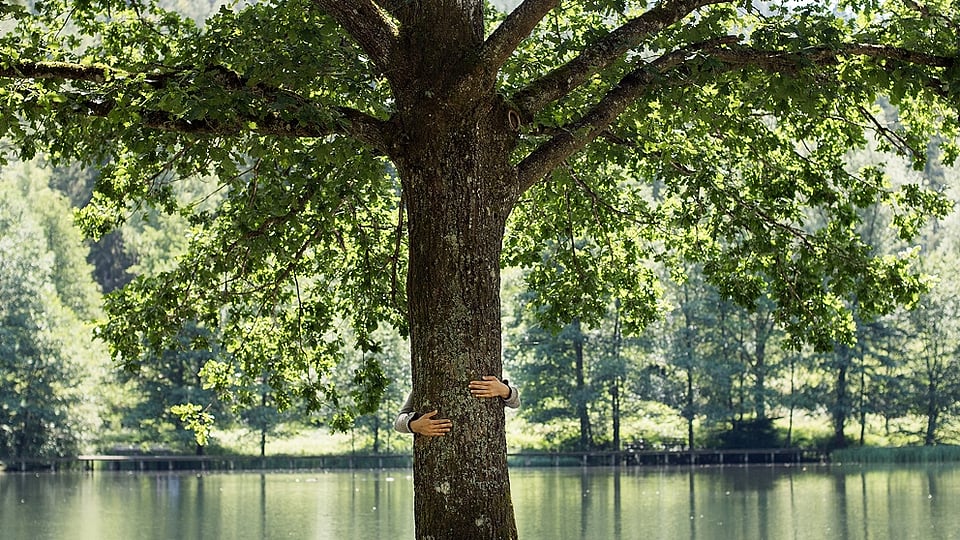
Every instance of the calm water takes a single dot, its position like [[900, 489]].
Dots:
[[814, 503]]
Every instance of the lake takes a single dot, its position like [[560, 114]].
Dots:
[[703, 503]]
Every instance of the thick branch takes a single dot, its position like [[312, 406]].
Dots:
[[795, 61], [369, 25], [566, 78], [505, 39], [575, 136], [578, 135], [57, 70], [350, 122], [826, 55]]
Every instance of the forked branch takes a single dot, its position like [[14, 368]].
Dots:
[[568, 77], [369, 25]]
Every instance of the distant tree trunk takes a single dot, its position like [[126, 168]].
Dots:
[[793, 389], [688, 410], [586, 437], [840, 408], [760, 377], [615, 412], [862, 400], [930, 437], [933, 412], [617, 378], [263, 424]]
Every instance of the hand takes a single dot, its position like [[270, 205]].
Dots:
[[427, 426], [489, 387]]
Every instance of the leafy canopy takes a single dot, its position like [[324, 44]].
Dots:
[[647, 133]]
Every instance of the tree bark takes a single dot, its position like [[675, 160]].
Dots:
[[450, 145], [457, 187]]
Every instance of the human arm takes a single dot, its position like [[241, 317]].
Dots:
[[410, 421]]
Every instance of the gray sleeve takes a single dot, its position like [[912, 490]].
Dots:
[[513, 400], [406, 414]]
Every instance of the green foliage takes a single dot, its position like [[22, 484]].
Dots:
[[753, 433], [171, 399], [48, 364], [195, 419], [739, 159]]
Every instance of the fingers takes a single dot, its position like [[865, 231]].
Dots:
[[487, 383], [428, 426], [489, 387], [481, 389], [439, 428]]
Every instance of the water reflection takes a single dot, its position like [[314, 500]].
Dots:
[[555, 504], [754, 502]]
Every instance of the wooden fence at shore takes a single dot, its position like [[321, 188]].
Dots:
[[179, 462]]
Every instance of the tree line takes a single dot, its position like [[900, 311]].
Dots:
[[708, 374]]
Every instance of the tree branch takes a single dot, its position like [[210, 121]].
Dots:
[[564, 79], [575, 136], [505, 39], [826, 55], [796, 61], [390, 6], [346, 121], [579, 134], [369, 25], [58, 70]]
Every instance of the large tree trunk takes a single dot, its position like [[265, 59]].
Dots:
[[459, 189], [452, 151], [454, 303]]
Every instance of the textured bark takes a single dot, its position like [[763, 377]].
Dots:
[[457, 202], [459, 189]]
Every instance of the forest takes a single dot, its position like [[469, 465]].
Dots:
[[707, 373]]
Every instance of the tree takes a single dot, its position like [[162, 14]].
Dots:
[[739, 112], [47, 297], [554, 367], [392, 357], [931, 366], [163, 383]]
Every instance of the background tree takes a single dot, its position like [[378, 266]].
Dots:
[[159, 385], [48, 370], [392, 356], [931, 360], [740, 114], [553, 367]]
